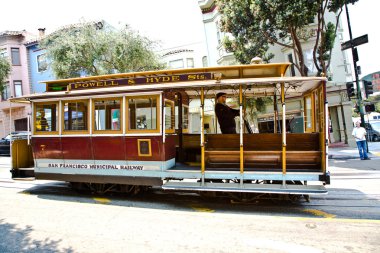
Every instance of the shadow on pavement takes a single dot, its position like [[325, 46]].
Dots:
[[14, 239], [339, 203]]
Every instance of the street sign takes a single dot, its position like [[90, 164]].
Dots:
[[355, 42]]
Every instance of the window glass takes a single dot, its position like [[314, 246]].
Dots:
[[3, 52], [107, 114], [46, 117], [6, 93], [317, 111], [176, 64], [204, 61], [15, 52], [142, 113], [185, 117], [75, 115], [190, 62], [308, 112], [169, 114], [41, 62], [18, 88]]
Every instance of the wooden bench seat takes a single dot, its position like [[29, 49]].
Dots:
[[263, 151], [300, 160]]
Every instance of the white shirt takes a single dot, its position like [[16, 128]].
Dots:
[[359, 133]]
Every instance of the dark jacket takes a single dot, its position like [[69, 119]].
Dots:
[[226, 118]]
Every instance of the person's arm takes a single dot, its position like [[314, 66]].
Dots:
[[236, 112]]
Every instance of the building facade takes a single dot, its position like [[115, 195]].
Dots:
[[340, 71], [39, 69], [17, 84]]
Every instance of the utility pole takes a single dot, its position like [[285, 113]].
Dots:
[[355, 59]]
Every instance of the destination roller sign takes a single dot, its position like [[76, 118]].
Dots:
[[141, 80]]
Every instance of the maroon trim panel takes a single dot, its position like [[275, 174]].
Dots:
[[77, 148], [47, 148], [102, 148], [131, 144], [170, 147], [109, 148]]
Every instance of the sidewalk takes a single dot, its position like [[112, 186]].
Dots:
[[350, 153]]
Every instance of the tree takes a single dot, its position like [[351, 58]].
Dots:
[[95, 49], [256, 24], [5, 69], [376, 101]]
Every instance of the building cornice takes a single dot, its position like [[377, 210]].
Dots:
[[207, 6]]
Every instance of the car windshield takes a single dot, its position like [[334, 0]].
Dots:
[[376, 126], [8, 137]]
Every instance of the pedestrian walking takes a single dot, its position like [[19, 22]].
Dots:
[[359, 133]]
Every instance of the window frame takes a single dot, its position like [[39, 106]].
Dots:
[[170, 130], [19, 56], [38, 63], [7, 91], [93, 120], [312, 114], [74, 132], [184, 115], [34, 130], [158, 115], [19, 83]]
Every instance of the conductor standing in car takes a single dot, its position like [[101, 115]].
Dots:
[[225, 114]]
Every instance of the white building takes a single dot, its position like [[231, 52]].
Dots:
[[340, 71]]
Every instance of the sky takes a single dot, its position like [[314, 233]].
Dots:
[[172, 22], [364, 17]]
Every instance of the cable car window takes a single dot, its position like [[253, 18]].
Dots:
[[75, 116], [45, 118], [308, 113], [107, 114], [185, 118], [143, 114], [169, 116]]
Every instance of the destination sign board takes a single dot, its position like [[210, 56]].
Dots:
[[140, 80]]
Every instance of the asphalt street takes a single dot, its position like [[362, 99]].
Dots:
[[48, 216]]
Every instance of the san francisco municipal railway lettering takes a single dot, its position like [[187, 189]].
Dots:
[[96, 166], [141, 80]]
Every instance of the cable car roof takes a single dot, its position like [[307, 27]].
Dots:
[[256, 79]]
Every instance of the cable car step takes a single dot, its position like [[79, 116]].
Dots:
[[253, 188]]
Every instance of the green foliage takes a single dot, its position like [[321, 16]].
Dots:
[[327, 44], [95, 49], [5, 69], [256, 105], [255, 24], [375, 100]]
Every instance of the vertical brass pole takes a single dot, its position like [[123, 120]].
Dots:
[[325, 130], [283, 129], [202, 136], [241, 131]]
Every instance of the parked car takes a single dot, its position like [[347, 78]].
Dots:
[[373, 130], [5, 143]]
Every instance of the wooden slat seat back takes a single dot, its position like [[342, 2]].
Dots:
[[222, 142], [262, 142], [263, 151], [191, 141]]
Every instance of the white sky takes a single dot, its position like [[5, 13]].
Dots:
[[173, 22], [364, 17]]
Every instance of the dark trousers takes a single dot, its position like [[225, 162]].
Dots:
[[362, 149]]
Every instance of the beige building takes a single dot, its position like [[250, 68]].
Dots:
[[340, 72], [12, 47]]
